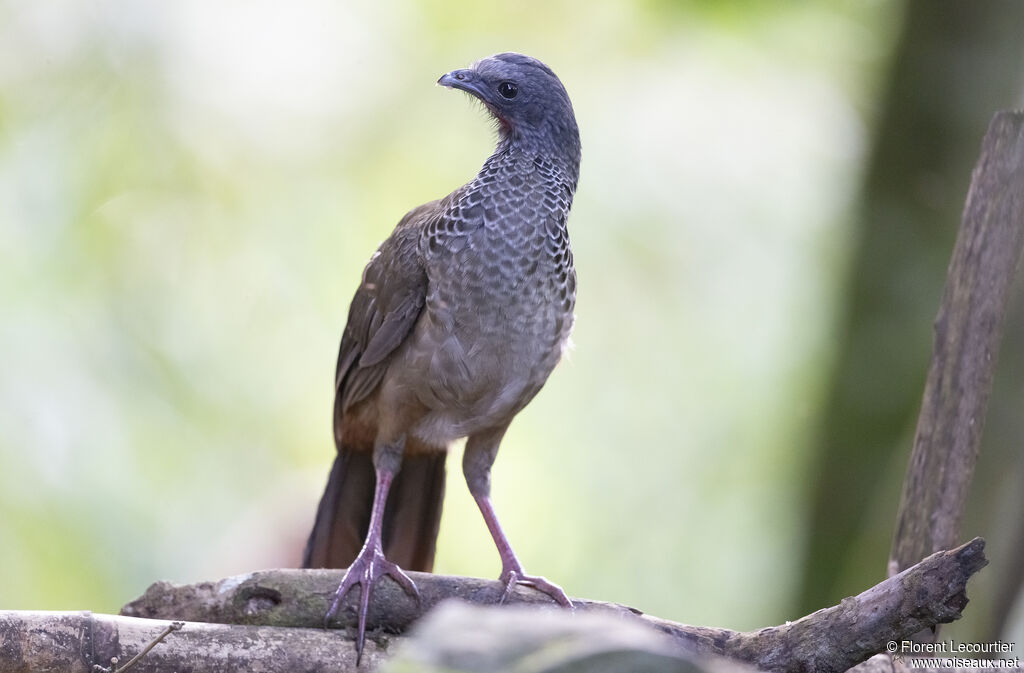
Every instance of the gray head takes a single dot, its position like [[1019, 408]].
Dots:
[[526, 98]]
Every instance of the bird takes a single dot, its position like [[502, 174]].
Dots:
[[461, 315]]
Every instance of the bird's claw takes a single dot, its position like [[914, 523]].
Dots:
[[512, 577], [368, 567]]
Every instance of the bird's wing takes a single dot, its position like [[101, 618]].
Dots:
[[383, 311]]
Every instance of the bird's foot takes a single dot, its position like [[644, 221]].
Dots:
[[367, 568], [513, 576]]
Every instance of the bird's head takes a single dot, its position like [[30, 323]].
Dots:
[[526, 98]]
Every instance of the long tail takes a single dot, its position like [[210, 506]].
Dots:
[[411, 519]]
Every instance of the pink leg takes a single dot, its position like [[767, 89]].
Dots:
[[370, 565], [511, 569]]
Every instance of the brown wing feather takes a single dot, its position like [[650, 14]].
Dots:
[[383, 312]]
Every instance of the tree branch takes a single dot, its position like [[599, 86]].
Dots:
[[968, 331], [829, 640], [73, 642]]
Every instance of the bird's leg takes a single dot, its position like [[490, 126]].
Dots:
[[511, 569], [370, 564], [476, 464]]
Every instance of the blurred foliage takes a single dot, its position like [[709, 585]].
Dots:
[[927, 141], [188, 192]]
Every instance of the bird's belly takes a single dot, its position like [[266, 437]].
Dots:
[[476, 371]]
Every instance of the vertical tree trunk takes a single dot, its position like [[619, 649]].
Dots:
[[968, 338], [955, 64]]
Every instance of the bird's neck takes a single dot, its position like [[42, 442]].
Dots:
[[564, 156]]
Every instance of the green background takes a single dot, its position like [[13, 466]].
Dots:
[[189, 191]]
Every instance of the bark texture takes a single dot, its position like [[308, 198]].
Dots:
[[829, 640], [968, 332]]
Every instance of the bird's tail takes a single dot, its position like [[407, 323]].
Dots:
[[412, 516]]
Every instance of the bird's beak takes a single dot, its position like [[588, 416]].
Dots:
[[467, 80]]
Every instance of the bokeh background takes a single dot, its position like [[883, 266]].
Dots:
[[769, 196]]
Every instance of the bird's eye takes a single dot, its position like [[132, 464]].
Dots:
[[508, 90]]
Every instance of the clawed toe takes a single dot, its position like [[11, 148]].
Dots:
[[364, 572], [555, 592], [403, 580]]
